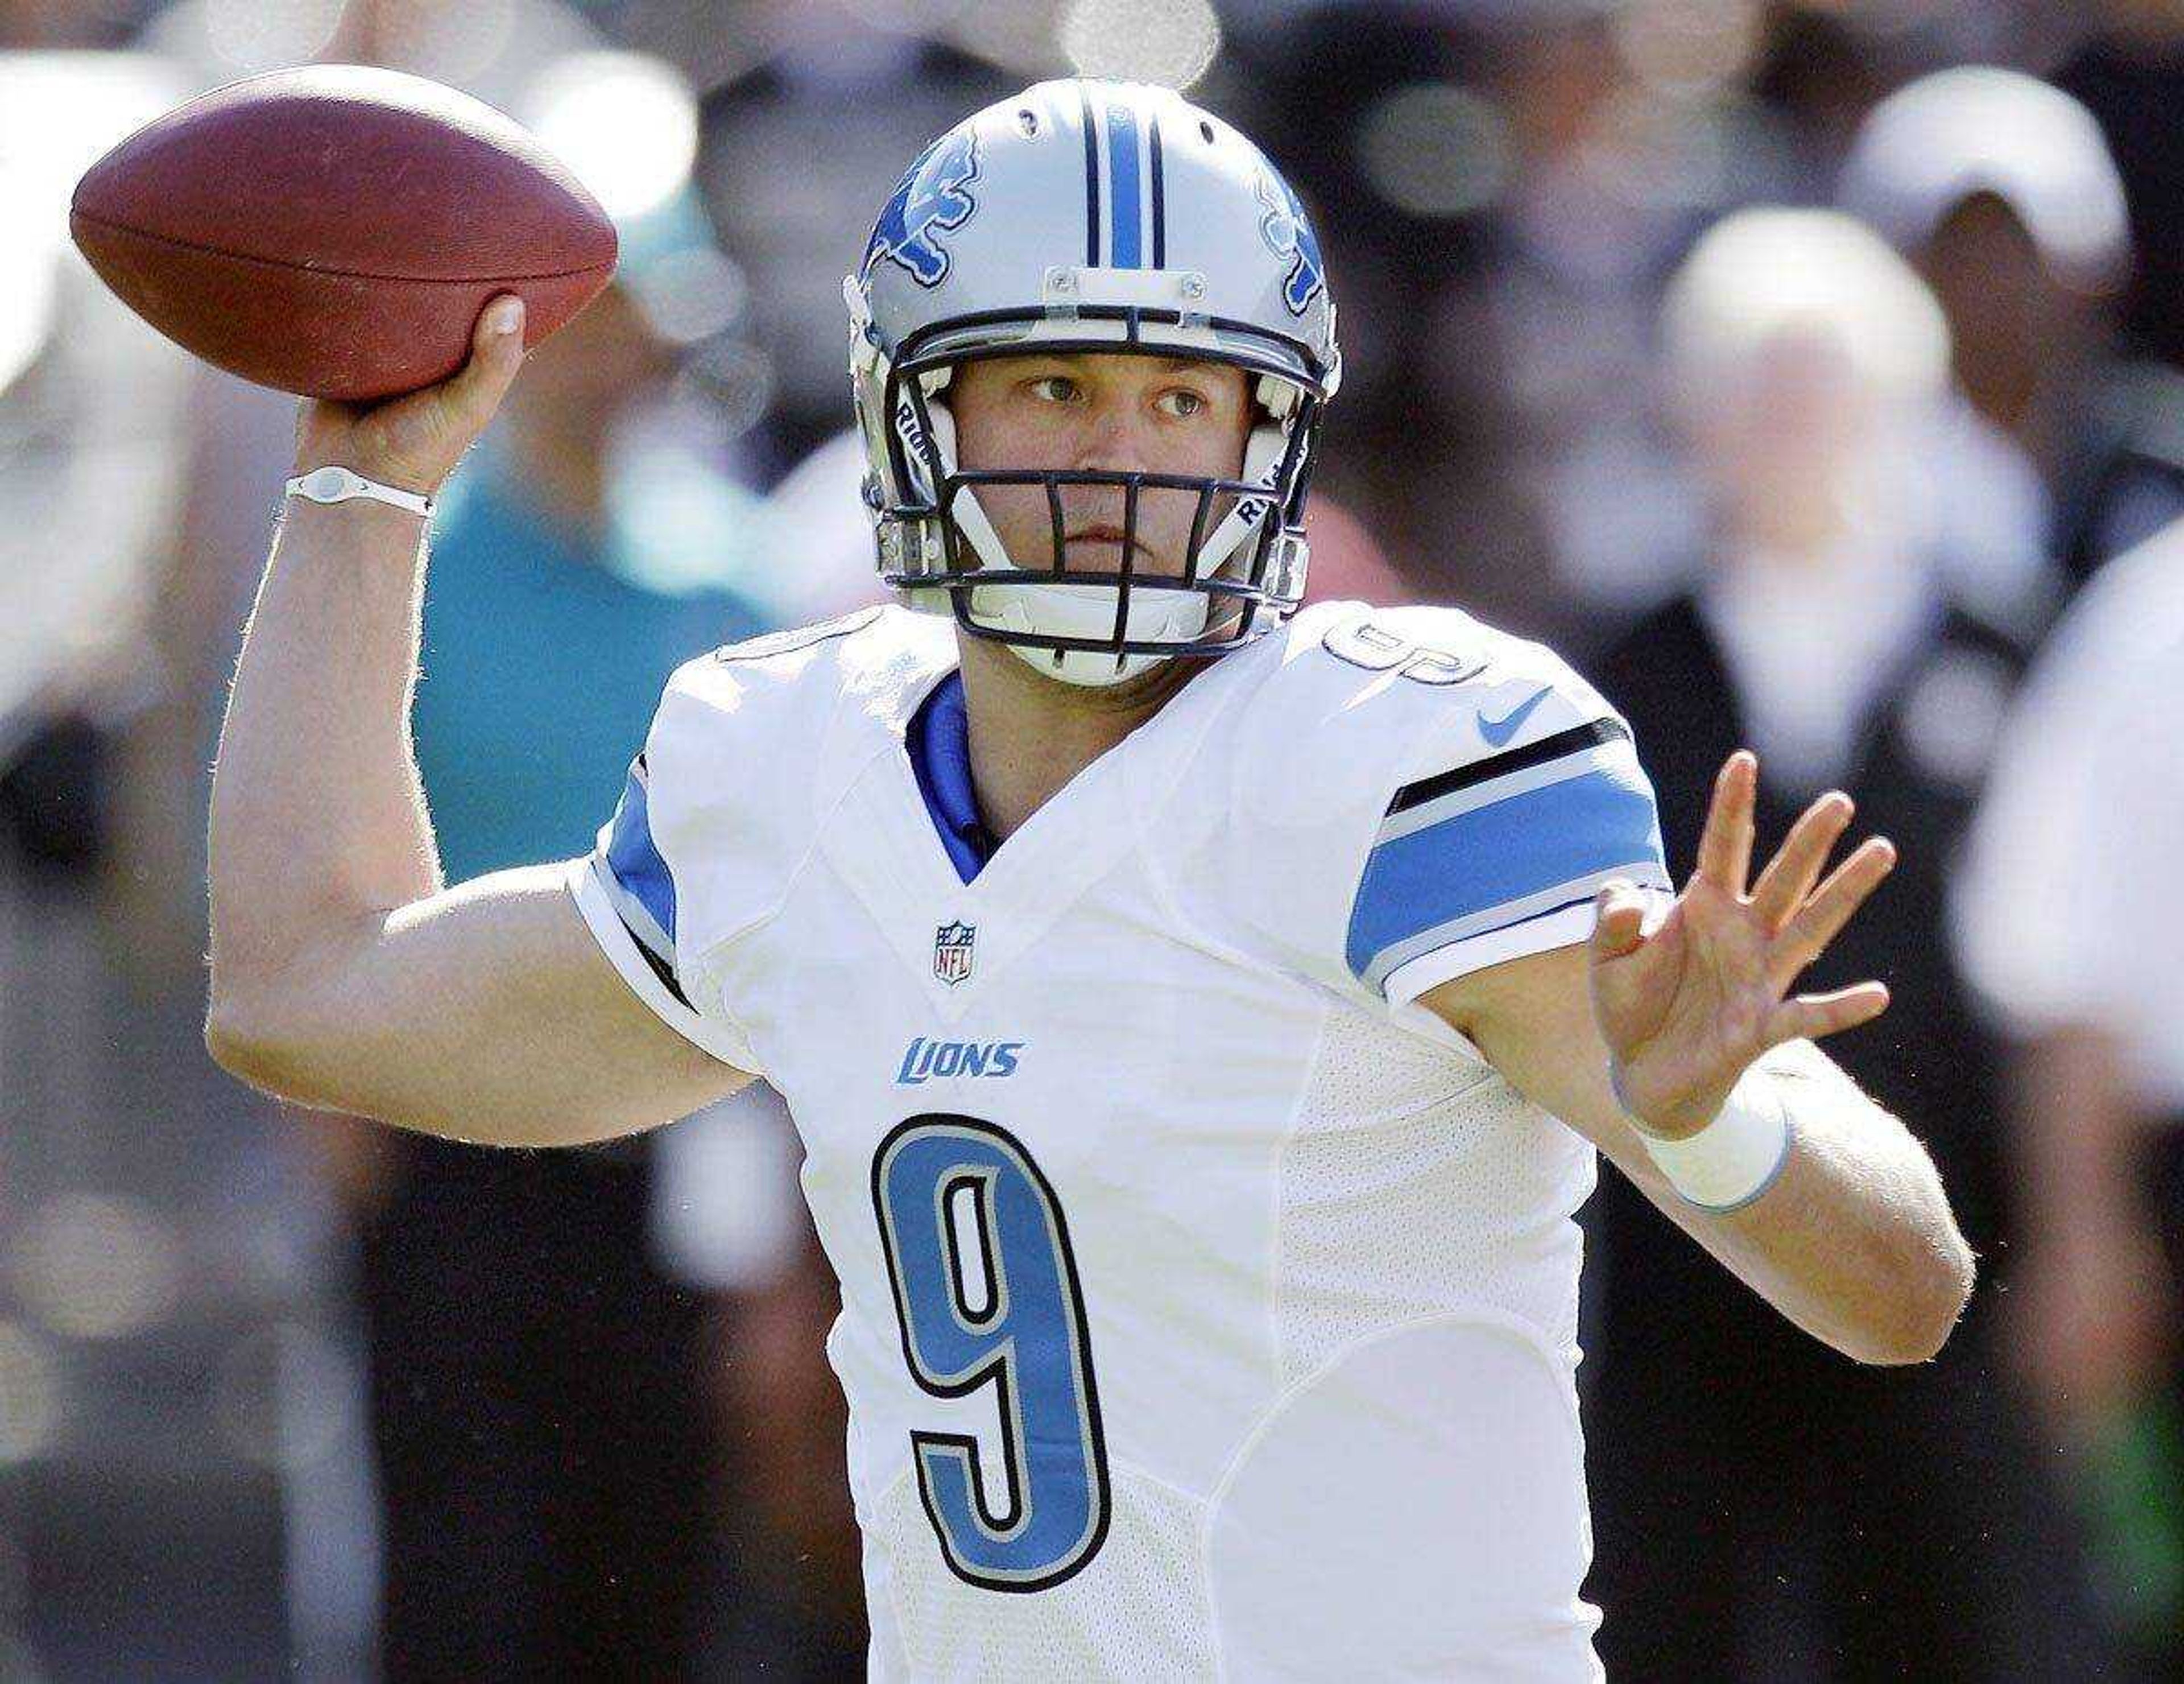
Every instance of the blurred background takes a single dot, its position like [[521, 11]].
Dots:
[[1809, 373]]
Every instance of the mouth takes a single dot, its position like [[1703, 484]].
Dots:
[[1106, 534]]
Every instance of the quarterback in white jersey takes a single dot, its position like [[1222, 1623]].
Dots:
[[1202, 1015], [1202, 1308]]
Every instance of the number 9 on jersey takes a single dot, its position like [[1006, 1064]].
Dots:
[[986, 1292]]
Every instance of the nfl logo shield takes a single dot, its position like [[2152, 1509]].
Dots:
[[951, 953]]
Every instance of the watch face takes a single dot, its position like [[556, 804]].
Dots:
[[326, 481]]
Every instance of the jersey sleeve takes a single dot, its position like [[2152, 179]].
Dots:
[[1525, 797], [630, 891]]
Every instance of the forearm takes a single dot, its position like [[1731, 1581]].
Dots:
[[318, 816], [1854, 1241]]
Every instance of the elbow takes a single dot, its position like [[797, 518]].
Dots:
[[233, 1043], [1924, 1300], [240, 1044]]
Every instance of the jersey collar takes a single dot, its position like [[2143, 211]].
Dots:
[[939, 742]]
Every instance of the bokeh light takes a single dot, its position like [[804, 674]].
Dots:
[[251, 37], [1433, 150], [96, 1266], [453, 44], [59, 114], [625, 123], [691, 295], [1172, 42], [27, 273], [736, 379]]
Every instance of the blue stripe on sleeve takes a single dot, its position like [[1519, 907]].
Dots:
[[636, 862], [1122, 172], [1490, 856]]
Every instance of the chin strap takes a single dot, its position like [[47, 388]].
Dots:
[[1171, 615]]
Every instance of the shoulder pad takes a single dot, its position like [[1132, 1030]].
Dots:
[[753, 743]]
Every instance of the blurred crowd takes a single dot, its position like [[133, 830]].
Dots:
[[1812, 374]]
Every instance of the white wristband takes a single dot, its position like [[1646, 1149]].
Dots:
[[1735, 1157], [332, 484]]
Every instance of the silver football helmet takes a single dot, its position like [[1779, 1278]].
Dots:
[[1092, 216]]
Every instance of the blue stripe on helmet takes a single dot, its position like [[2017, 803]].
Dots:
[[1122, 173]]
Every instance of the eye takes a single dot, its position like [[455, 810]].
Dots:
[[1182, 403], [1053, 388]]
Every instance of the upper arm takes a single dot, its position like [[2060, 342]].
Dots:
[[488, 1013]]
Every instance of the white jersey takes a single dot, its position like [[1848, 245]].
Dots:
[[1208, 1309]]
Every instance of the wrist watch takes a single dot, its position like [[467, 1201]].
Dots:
[[332, 484]]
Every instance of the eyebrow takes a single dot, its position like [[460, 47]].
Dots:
[[1166, 365]]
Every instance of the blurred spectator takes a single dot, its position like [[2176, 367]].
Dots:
[[147, 1274], [2069, 921], [1839, 1517], [2001, 190], [93, 404], [536, 1381]]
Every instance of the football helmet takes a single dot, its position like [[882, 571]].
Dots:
[[1085, 216]]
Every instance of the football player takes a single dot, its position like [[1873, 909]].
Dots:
[[1201, 1017]]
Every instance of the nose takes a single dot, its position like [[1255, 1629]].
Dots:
[[1115, 438]]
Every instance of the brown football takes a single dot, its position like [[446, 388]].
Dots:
[[334, 231]]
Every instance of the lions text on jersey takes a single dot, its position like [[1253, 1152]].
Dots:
[[1208, 1306]]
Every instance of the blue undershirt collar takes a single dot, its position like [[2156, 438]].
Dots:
[[939, 743]]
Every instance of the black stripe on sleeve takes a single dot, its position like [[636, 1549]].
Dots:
[[1555, 747], [1091, 184], [660, 968]]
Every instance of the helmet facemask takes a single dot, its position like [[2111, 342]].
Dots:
[[1244, 560]]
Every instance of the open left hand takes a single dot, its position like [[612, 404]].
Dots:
[[1686, 1005]]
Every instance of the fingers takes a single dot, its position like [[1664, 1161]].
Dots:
[[1618, 921], [1830, 907], [1790, 875], [1814, 1015], [1725, 843], [496, 354]]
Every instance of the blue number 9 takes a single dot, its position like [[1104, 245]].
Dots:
[[986, 1292]]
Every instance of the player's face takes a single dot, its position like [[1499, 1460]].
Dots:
[[1119, 412]]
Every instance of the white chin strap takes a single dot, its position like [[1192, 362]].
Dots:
[[1089, 611], [1177, 614]]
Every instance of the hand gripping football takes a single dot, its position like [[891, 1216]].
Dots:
[[334, 231]]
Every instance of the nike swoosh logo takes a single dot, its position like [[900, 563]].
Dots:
[[1498, 731]]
